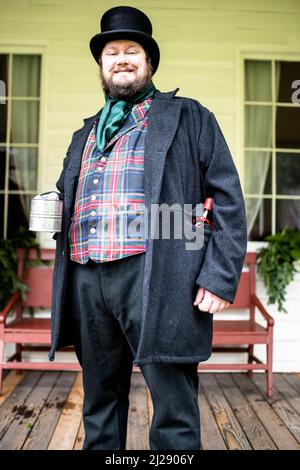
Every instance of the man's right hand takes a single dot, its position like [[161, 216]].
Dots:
[[209, 302], [50, 196]]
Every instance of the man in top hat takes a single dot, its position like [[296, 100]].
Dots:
[[123, 297]]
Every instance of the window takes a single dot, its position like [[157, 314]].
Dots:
[[19, 138], [271, 147]]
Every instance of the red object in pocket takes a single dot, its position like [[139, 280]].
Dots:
[[206, 218]]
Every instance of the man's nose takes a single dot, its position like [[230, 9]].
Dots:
[[122, 58]]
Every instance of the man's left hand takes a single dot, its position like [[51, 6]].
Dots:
[[209, 302]]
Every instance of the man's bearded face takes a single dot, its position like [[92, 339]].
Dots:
[[125, 69]]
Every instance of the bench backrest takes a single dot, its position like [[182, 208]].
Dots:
[[37, 277]]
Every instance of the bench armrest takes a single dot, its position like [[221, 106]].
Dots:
[[262, 309], [10, 304]]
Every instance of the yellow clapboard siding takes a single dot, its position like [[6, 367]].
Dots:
[[71, 121], [77, 102], [86, 83], [86, 10], [12, 30], [258, 5], [268, 20], [257, 37], [293, 37]]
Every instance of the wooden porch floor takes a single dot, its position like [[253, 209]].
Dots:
[[42, 410]]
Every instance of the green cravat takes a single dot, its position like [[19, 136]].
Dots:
[[114, 114]]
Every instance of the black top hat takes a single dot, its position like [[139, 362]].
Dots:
[[126, 23]]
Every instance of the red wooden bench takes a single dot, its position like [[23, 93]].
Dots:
[[241, 335], [31, 334]]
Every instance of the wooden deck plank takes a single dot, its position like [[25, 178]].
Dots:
[[248, 419], [138, 419], [14, 404], [66, 431], [10, 381], [280, 405], [229, 426], [48, 418], [211, 437], [80, 437], [28, 414], [290, 394], [282, 437], [293, 380]]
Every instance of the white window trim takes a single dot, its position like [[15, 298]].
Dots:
[[26, 47], [261, 52]]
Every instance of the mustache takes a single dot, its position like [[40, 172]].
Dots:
[[123, 69]]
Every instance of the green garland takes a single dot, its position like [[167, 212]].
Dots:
[[275, 264]]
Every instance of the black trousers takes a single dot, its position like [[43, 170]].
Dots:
[[106, 315]]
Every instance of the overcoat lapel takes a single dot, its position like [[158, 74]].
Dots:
[[159, 137]]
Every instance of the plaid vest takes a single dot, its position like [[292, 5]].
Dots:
[[109, 204]]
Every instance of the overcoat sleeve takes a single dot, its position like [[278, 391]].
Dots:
[[224, 257], [60, 182]]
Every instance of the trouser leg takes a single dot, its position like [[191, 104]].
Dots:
[[106, 360], [176, 417]]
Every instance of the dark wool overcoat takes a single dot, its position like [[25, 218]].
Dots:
[[186, 159]]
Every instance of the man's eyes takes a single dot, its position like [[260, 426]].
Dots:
[[115, 53]]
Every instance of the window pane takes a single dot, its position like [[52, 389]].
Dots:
[[259, 213], [288, 127], [1, 215], [287, 214], [3, 121], [25, 119], [4, 71], [23, 169], [258, 126], [286, 74], [287, 173], [26, 75], [18, 212], [258, 172], [258, 85], [2, 166]]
